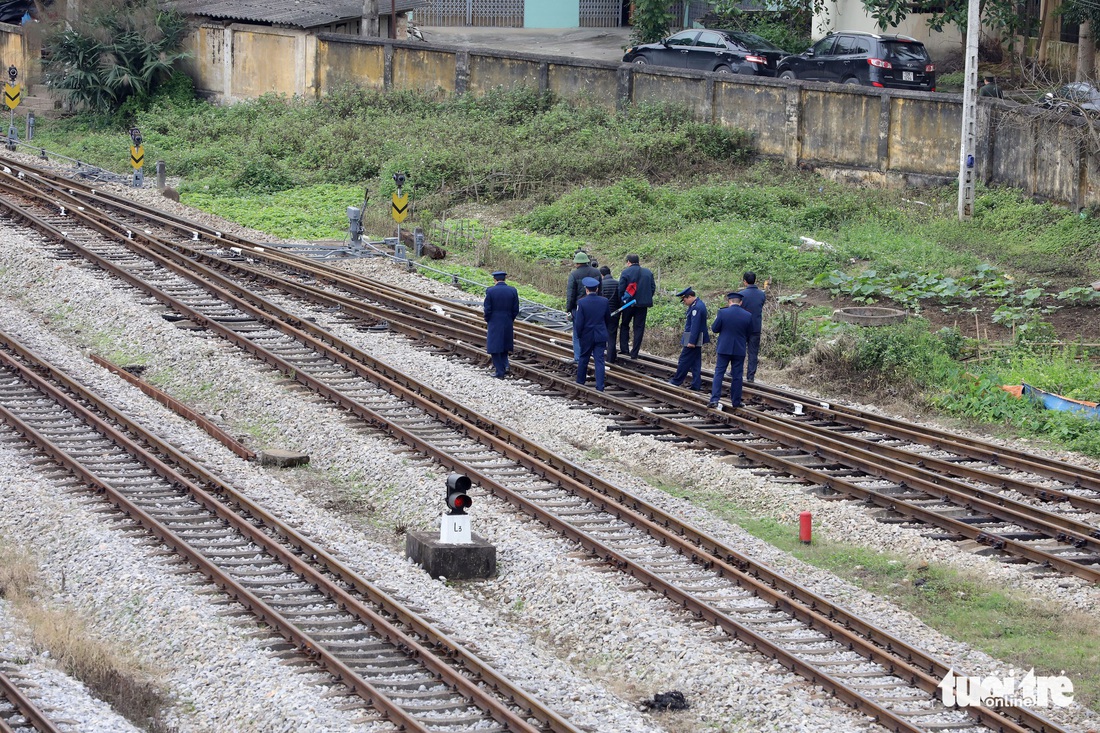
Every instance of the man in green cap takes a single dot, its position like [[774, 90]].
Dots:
[[574, 291]]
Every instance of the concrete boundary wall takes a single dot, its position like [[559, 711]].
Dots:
[[896, 138]]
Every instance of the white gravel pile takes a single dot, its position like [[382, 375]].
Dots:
[[553, 620]]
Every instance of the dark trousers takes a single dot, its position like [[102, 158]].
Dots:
[[691, 360], [596, 353], [500, 363], [636, 316], [612, 337], [736, 363], [750, 358]]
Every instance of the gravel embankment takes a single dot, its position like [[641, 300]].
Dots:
[[552, 620]]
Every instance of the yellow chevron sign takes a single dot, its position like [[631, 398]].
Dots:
[[400, 207], [13, 95], [137, 156]]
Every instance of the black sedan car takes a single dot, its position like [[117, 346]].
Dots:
[[729, 52]]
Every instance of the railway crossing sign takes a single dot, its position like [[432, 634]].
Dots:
[[137, 157], [400, 207], [13, 95]]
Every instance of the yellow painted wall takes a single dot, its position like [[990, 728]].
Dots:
[[656, 88], [840, 128], [423, 70], [837, 128], [755, 107], [264, 63], [350, 63], [914, 124], [206, 65], [13, 51], [489, 72], [597, 85]]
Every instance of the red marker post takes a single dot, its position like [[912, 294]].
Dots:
[[805, 527]]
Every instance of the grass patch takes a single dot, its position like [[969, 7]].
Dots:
[[1021, 631], [108, 671]]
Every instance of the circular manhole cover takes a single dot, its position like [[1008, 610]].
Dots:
[[869, 316]]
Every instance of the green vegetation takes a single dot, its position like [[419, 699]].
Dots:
[[1016, 629], [114, 56], [520, 180]]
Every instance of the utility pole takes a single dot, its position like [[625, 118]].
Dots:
[[368, 26], [969, 114]]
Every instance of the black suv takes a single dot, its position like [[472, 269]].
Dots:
[[853, 57]]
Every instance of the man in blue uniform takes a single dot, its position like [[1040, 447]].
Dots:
[[590, 323], [501, 308], [732, 326], [635, 283], [752, 300], [695, 335], [574, 291], [609, 288]]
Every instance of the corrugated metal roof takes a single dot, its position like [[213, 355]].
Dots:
[[300, 13]]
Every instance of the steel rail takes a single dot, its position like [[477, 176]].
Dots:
[[26, 708], [299, 543], [340, 671], [1080, 476], [1077, 476], [315, 650], [344, 348], [793, 434]]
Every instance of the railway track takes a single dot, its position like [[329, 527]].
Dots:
[[862, 665], [381, 649], [18, 714]]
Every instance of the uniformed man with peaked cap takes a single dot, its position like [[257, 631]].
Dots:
[[501, 308]]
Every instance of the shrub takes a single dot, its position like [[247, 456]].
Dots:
[[115, 51]]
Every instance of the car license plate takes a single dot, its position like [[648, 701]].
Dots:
[[907, 76]]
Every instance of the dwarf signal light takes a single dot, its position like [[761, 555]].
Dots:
[[457, 499]]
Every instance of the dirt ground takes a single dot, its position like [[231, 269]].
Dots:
[[601, 44]]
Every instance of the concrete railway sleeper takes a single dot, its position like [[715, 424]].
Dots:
[[422, 305], [822, 648], [381, 650], [935, 492], [18, 713]]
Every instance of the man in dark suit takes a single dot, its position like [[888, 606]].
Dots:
[[695, 335], [635, 283], [609, 288], [590, 323], [732, 325], [752, 300], [501, 308]]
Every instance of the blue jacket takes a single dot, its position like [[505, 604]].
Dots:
[[592, 320], [642, 279], [501, 308], [753, 301], [695, 327], [733, 325]]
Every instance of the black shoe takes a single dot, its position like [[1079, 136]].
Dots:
[[675, 384], [713, 404], [736, 406]]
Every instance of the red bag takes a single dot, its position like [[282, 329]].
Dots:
[[631, 289]]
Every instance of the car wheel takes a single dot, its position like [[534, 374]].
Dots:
[[640, 61], [851, 80], [788, 75], [723, 69]]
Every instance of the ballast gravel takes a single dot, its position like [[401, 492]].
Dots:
[[584, 638]]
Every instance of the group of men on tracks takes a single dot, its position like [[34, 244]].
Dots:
[[602, 308]]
